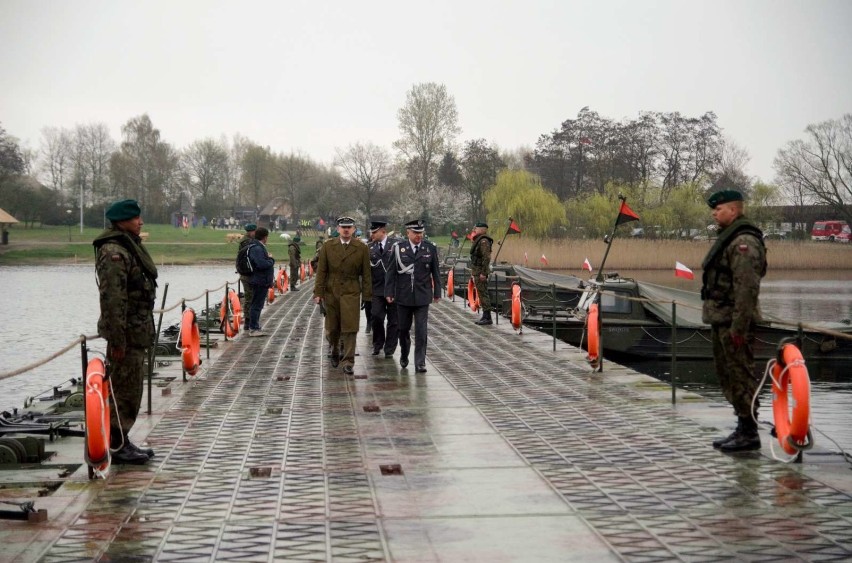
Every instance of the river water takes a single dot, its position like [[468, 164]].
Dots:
[[49, 306]]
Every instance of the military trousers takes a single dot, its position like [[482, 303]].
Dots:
[[735, 369], [384, 338], [420, 316], [337, 337], [247, 295], [127, 377], [294, 275], [482, 291]]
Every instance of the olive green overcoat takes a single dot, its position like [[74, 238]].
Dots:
[[343, 280]]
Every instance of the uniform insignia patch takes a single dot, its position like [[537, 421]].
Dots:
[[115, 257], [743, 248], [402, 249]]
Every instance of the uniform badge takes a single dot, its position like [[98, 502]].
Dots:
[[402, 249], [115, 257], [743, 248]]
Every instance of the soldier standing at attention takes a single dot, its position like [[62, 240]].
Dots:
[[127, 283], [343, 282], [244, 280], [295, 260], [412, 282], [380, 259], [730, 288], [480, 268]]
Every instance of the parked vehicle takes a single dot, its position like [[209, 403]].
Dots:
[[845, 235], [828, 230]]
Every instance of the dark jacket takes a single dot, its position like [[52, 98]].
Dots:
[[379, 264], [263, 265], [411, 280]]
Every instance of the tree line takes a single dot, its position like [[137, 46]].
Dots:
[[567, 184]]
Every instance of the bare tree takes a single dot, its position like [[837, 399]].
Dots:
[[293, 172], [56, 150], [367, 167], [821, 165], [730, 173], [257, 175], [428, 123], [204, 166]]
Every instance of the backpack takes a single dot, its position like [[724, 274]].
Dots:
[[244, 267]]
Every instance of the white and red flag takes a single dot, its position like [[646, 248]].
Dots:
[[682, 271], [526, 259], [587, 265], [543, 259]]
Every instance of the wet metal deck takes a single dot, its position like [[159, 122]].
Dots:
[[504, 450]]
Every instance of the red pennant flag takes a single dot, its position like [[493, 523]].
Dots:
[[682, 271], [625, 214], [526, 259], [514, 229], [587, 265], [543, 259], [471, 235]]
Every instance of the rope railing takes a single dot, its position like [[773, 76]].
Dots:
[[68, 347]]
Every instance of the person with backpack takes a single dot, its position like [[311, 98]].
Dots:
[[295, 256], [262, 266], [244, 279]]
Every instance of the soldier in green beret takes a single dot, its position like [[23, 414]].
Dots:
[[733, 269], [295, 255], [480, 268], [127, 282], [248, 292]]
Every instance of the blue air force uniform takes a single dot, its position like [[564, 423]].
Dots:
[[381, 254]]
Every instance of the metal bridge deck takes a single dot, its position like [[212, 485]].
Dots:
[[504, 450]]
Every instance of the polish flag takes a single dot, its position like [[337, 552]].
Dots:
[[587, 265], [682, 271], [526, 259], [543, 259]]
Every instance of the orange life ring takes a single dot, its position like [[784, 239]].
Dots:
[[516, 306], [472, 295], [190, 342], [593, 330], [97, 416], [450, 280], [302, 271], [793, 433], [270, 298], [231, 302], [279, 281]]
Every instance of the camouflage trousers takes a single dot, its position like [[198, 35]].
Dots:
[[294, 275], [248, 292], [127, 377], [735, 369], [482, 291]]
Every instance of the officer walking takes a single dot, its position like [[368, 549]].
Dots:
[[384, 339], [412, 282], [730, 289], [295, 254], [343, 281], [250, 228], [127, 283], [480, 268]]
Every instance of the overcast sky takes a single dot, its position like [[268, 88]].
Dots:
[[315, 75]]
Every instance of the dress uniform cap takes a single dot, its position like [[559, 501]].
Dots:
[[724, 196], [123, 210], [250, 227], [417, 225], [482, 224], [345, 222], [377, 223]]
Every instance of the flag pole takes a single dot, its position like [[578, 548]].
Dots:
[[608, 240], [500, 244]]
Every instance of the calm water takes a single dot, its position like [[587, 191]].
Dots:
[[48, 306]]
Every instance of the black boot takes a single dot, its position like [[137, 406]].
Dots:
[[744, 440], [125, 454], [486, 318], [145, 451], [718, 442]]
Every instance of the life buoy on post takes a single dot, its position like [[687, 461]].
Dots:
[[593, 330], [472, 295], [285, 281], [270, 298], [96, 452], [279, 281], [450, 280], [302, 272], [516, 306], [793, 431], [190, 342], [231, 304]]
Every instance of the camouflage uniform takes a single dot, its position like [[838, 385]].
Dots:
[[295, 254], [731, 284], [248, 292], [127, 284], [480, 263]]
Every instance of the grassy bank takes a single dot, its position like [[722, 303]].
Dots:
[[168, 245]]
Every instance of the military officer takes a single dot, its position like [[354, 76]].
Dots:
[[733, 269], [127, 282], [250, 228], [295, 254], [480, 268], [412, 282], [343, 281], [384, 338]]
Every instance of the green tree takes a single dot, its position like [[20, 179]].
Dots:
[[520, 195], [762, 205], [480, 164]]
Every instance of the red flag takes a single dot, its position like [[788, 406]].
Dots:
[[514, 229], [543, 259], [587, 265], [625, 214], [682, 271], [526, 258], [322, 222], [471, 235]]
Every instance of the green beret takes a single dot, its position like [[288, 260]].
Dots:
[[482, 224], [724, 196], [123, 210], [297, 238], [250, 227]]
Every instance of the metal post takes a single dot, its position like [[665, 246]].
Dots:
[[553, 317], [496, 297], [226, 303], [600, 332], [153, 350], [207, 319], [674, 352], [178, 343]]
